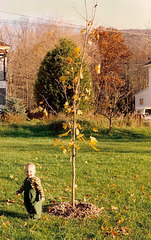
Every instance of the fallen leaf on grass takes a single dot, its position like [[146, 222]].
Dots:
[[124, 231], [32, 227], [7, 238], [88, 195], [9, 201], [120, 221], [114, 208], [4, 225], [113, 233]]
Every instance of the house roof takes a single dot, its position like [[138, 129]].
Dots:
[[4, 47], [145, 89], [147, 64]]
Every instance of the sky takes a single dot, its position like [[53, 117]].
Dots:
[[119, 14]]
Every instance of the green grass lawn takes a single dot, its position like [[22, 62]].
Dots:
[[116, 178]]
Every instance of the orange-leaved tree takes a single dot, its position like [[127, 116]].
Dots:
[[109, 83]]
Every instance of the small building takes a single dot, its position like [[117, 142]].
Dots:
[[143, 98], [3, 69]]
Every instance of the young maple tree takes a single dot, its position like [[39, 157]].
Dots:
[[72, 108], [109, 84]]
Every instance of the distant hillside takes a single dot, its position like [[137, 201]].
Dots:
[[139, 42]]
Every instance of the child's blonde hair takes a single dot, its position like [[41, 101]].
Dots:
[[30, 164]]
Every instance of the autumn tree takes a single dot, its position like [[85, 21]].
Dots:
[[58, 73], [29, 41], [110, 86]]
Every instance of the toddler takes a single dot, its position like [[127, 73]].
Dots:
[[33, 192]]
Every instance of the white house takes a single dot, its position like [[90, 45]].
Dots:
[[3, 68], [143, 98]]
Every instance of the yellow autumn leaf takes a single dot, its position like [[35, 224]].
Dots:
[[83, 31], [80, 137], [76, 97], [69, 60], [78, 126], [97, 68], [64, 151], [77, 147], [81, 75], [66, 105], [77, 131], [76, 79], [64, 134], [79, 112], [45, 113], [86, 98], [92, 143], [65, 126], [98, 36], [56, 141], [62, 79], [90, 22], [93, 32], [96, 149], [69, 87], [76, 51], [90, 42], [93, 140], [95, 130], [69, 110], [41, 102], [36, 110], [70, 143], [11, 176]]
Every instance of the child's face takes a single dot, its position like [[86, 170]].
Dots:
[[30, 171]]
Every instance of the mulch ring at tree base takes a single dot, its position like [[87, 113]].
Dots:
[[81, 210]]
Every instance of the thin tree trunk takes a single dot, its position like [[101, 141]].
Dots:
[[73, 154]]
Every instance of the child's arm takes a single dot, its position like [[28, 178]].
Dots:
[[40, 189], [22, 188]]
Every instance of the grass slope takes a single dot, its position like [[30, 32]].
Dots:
[[116, 178]]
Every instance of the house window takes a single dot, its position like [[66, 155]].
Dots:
[[141, 101], [2, 96]]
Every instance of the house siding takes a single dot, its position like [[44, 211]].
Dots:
[[143, 98], [3, 80]]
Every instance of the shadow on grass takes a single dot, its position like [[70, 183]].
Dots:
[[118, 134], [53, 129], [13, 214], [28, 131]]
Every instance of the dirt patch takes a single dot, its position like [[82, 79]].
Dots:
[[81, 210]]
